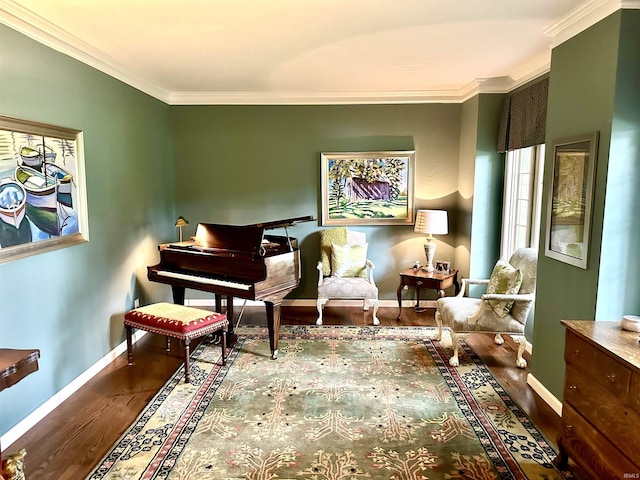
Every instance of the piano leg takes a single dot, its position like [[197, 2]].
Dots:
[[178, 298], [273, 325], [178, 294], [231, 334]]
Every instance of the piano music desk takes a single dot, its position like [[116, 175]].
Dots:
[[176, 321]]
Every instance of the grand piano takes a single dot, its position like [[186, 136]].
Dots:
[[234, 261]]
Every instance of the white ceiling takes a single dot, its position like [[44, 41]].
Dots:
[[309, 51]]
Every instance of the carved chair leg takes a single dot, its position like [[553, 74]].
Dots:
[[455, 341], [319, 304], [498, 340], [522, 343], [376, 304], [365, 304], [438, 335]]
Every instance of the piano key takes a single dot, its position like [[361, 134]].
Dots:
[[207, 280]]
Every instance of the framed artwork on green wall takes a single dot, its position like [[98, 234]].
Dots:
[[570, 199], [43, 203], [367, 188]]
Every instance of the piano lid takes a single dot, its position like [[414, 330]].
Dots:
[[240, 238], [288, 222]]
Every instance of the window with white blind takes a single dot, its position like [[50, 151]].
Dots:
[[522, 199]]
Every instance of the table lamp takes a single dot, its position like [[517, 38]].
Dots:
[[181, 222], [431, 222]]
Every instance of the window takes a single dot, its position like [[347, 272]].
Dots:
[[522, 199]]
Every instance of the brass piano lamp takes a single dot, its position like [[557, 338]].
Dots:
[[181, 222]]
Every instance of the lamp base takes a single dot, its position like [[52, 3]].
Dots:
[[429, 252]]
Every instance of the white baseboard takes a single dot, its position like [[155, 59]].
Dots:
[[47, 407], [545, 394]]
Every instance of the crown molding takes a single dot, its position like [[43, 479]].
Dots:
[[484, 85], [313, 98], [478, 86], [37, 28], [503, 84], [584, 17]]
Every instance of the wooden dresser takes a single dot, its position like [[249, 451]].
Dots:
[[601, 400]]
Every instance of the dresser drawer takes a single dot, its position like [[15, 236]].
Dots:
[[634, 394], [592, 451], [597, 365], [602, 410]]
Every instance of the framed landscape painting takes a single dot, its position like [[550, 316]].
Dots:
[[570, 199], [43, 202], [367, 188]]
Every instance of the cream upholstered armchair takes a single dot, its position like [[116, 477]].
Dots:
[[344, 272], [502, 310]]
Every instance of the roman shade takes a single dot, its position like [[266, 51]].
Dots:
[[523, 118]]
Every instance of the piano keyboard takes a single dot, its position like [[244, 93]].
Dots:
[[207, 280]]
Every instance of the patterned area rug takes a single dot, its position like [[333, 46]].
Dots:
[[339, 403]]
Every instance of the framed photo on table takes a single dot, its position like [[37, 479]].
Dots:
[[570, 199], [443, 267]]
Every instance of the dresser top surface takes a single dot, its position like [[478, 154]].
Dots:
[[610, 336]]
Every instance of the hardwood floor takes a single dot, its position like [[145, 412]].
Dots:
[[71, 440]]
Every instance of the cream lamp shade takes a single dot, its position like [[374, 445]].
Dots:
[[181, 222], [431, 222]]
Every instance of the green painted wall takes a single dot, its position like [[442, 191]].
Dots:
[[146, 163], [69, 303], [621, 225], [481, 183], [247, 164], [582, 87], [466, 176], [488, 189]]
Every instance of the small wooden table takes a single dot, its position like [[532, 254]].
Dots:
[[420, 279], [14, 366]]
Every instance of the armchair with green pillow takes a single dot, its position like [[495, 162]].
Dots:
[[344, 272], [502, 310]]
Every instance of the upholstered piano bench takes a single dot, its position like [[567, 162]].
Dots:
[[176, 321]]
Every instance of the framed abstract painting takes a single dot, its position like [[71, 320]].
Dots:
[[43, 203]]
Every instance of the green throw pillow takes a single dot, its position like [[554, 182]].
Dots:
[[349, 260], [504, 279], [329, 236]]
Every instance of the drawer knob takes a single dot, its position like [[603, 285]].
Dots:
[[573, 388], [611, 377], [576, 352], [419, 282], [568, 428]]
